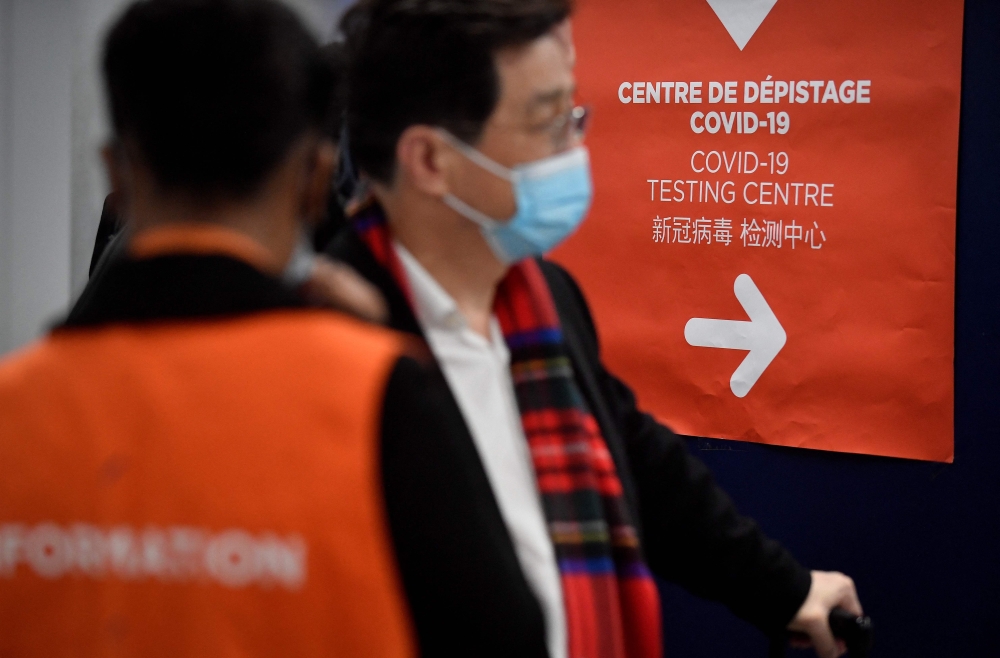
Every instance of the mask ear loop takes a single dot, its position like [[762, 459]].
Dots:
[[478, 158], [486, 223], [477, 216]]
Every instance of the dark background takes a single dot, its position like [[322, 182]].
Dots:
[[921, 540]]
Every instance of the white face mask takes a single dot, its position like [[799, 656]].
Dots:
[[300, 266], [553, 196]]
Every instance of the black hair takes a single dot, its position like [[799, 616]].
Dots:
[[212, 94], [430, 62], [335, 59]]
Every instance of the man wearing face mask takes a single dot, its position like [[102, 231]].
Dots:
[[535, 531]]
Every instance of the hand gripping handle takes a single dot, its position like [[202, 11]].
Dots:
[[856, 632]]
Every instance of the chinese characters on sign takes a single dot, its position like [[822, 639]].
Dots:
[[754, 233]]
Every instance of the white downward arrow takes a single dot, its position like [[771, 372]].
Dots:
[[763, 336], [741, 18]]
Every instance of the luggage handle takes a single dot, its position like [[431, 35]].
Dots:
[[856, 632]]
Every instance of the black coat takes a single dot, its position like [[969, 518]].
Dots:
[[465, 586]]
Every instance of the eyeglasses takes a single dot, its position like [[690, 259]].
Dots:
[[569, 127]]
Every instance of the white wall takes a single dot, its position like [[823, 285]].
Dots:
[[5, 288], [36, 99], [52, 124]]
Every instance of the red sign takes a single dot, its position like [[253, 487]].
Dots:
[[771, 252]]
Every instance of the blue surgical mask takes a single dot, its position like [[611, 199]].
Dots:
[[553, 196]]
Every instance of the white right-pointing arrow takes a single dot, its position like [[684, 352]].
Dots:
[[763, 336]]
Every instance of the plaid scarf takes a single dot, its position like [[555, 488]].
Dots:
[[612, 605]]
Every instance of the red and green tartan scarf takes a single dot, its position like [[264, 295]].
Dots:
[[612, 605]]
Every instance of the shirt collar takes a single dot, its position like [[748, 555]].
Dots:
[[435, 308]]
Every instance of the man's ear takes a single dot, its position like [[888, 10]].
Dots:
[[425, 159], [119, 178], [114, 168], [319, 181]]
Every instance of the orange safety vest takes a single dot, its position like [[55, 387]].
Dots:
[[202, 488]]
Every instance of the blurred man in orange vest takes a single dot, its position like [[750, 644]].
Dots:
[[190, 464]]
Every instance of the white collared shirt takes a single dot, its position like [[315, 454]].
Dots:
[[478, 374]]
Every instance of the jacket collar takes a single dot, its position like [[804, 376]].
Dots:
[[349, 248], [202, 239], [183, 273]]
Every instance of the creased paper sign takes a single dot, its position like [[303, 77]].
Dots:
[[771, 251]]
